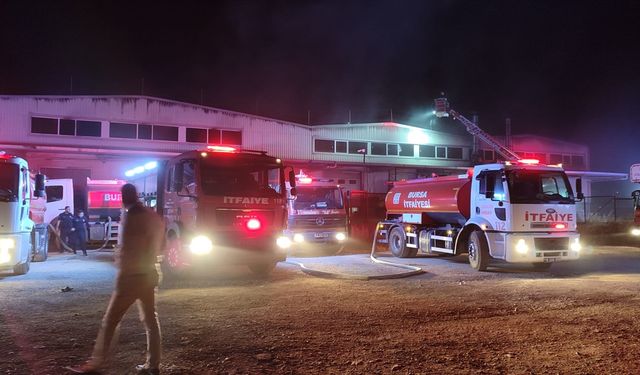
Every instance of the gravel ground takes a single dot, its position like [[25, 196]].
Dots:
[[579, 318]]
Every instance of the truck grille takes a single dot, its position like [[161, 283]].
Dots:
[[319, 221], [232, 217], [552, 243]]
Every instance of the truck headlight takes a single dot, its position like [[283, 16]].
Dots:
[[201, 245], [283, 242], [521, 246], [635, 231], [341, 236], [7, 243], [5, 257], [575, 245], [298, 237]]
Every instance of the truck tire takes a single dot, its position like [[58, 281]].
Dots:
[[478, 251], [397, 244], [262, 270], [21, 269], [542, 266], [171, 265]]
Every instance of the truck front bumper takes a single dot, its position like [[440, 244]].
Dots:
[[542, 247], [326, 236], [13, 250]]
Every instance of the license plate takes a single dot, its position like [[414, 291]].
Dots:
[[321, 235], [550, 260]]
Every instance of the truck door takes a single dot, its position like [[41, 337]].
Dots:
[[491, 206]]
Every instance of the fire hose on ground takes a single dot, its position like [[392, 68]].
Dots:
[[412, 270], [69, 248]]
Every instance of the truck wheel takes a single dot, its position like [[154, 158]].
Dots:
[[398, 242], [172, 265], [263, 269], [542, 266], [478, 251], [21, 269]]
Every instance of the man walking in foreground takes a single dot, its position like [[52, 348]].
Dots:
[[142, 240]]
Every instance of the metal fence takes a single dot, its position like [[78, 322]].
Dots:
[[604, 208]]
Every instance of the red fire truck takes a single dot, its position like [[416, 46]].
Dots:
[[223, 205], [317, 215]]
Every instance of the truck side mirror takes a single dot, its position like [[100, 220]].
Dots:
[[579, 193], [177, 177], [38, 191], [292, 180]]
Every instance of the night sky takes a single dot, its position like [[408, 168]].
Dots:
[[565, 69]]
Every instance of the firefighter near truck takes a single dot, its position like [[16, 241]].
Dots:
[[516, 211], [223, 205], [21, 239]]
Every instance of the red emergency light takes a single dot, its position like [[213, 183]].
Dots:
[[529, 161], [560, 226], [253, 224], [222, 148]]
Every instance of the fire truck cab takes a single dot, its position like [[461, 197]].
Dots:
[[18, 234], [223, 205], [317, 215]]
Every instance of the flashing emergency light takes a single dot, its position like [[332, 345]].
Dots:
[[529, 161], [141, 168], [560, 226], [253, 224], [222, 148], [302, 178]]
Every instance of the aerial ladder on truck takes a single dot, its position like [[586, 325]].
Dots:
[[443, 110]]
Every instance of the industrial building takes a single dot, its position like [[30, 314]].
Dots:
[[101, 137]]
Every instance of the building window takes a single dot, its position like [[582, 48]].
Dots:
[[195, 135], [441, 152], [555, 159], [392, 150], [378, 148], [358, 147], [88, 128], [341, 146], [341, 181], [122, 130], [165, 133], [427, 151], [352, 182], [323, 145], [231, 137], [144, 131], [488, 155], [406, 150], [43, 125], [454, 153], [214, 137], [566, 159], [67, 127], [577, 161]]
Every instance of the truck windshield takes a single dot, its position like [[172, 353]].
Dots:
[[9, 174], [531, 186], [255, 181], [311, 197]]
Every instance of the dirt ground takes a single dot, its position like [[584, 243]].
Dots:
[[579, 318]]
